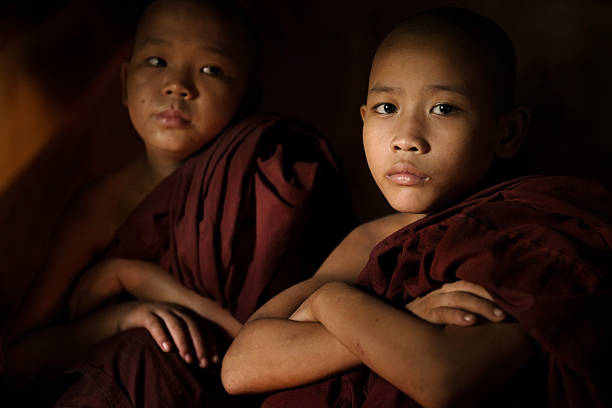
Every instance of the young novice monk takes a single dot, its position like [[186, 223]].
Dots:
[[189, 79], [439, 113]]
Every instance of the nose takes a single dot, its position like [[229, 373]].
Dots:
[[410, 138], [181, 86]]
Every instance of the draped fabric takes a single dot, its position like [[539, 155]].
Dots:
[[256, 211], [541, 245]]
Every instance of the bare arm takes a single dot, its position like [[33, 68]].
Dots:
[[435, 365], [51, 349], [278, 349], [146, 281], [263, 355], [81, 232]]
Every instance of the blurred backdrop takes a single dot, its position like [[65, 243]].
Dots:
[[62, 124]]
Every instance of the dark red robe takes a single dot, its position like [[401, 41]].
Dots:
[[542, 247], [256, 211]]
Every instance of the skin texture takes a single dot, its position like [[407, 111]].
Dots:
[[184, 82], [430, 135], [430, 130], [185, 66]]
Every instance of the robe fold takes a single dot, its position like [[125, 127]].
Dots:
[[256, 211], [541, 246]]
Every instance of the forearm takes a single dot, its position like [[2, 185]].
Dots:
[[435, 365], [52, 349], [272, 354], [145, 281], [148, 281]]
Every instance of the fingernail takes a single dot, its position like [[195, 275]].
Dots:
[[498, 312], [215, 359], [468, 317], [203, 363], [166, 346], [187, 358]]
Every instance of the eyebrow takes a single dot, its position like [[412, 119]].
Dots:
[[385, 89], [166, 43], [458, 89], [429, 88]]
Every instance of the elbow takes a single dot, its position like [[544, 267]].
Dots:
[[234, 369], [230, 381], [241, 369], [232, 377], [440, 389]]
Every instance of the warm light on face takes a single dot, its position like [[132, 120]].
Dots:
[[185, 80], [429, 131]]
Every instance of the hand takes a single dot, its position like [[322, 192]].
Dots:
[[458, 303], [170, 324]]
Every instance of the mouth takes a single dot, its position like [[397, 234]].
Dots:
[[404, 174], [173, 119]]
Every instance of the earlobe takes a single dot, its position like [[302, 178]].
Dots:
[[362, 110], [123, 73], [514, 125]]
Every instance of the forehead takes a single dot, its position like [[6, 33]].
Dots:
[[188, 23], [425, 65], [415, 59]]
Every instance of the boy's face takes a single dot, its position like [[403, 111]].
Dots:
[[430, 129], [186, 78]]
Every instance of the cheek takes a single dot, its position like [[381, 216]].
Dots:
[[374, 149]]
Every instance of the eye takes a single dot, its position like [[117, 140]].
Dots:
[[156, 62], [385, 108], [443, 109], [212, 70]]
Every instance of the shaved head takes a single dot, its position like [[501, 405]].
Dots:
[[474, 36]]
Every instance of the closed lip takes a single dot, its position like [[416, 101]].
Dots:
[[173, 118], [405, 174]]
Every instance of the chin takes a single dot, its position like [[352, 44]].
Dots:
[[412, 208], [410, 203]]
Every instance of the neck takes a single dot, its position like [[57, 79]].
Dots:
[[159, 166]]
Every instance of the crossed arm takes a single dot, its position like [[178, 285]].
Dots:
[[324, 326]]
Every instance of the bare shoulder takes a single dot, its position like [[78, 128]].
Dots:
[[379, 229], [351, 255], [102, 206]]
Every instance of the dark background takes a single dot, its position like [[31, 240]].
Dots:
[[62, 123]]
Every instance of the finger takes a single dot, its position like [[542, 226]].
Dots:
[[158, 331], [179, 333], [212, 335], [454, 316], [465, 286], [200, 345], [469, 302]]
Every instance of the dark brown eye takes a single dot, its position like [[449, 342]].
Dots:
[[385, 108], [443, 109], [212, 70], [156, 62]]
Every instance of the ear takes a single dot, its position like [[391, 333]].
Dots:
[[513, 129], [362, 110], [123, 73]]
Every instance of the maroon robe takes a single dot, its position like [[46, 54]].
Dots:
[[542, 247], [256, 211]]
